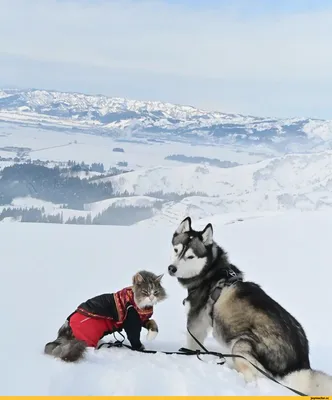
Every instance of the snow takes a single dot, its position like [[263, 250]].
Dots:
[[42, 99], [121, 117], [136, 201], [306, 170], [4, 164], [70, 145], [200, 208], [49, 207], [92, 209], [294, 181], [47, 270], [27, 202], [185, 179], [321, 129]]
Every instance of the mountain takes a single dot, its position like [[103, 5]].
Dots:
[[157, 121], [166, 194], [294, 181]]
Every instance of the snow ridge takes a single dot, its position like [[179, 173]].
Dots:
[[295, 181], [154, 119]]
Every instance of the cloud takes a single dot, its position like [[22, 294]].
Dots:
[[215, 44]]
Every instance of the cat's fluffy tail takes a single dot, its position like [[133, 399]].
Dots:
[[70, 350], [309, 382], [66, 346]]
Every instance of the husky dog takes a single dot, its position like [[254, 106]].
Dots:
[[243, 318]]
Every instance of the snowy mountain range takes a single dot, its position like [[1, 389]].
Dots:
[[157, 121], [292, 182], [264, 182], [295, 181]]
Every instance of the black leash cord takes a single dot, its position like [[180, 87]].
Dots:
[[184, 352], [244, 358], [198, 353]]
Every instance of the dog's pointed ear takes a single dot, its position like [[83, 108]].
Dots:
[[185, 226], [207, 234], [137, 279], [159, 278]]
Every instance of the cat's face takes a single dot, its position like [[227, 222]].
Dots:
[[147, 289]]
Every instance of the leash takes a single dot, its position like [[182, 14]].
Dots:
[[187, 352], [183, 352], [244, 358]]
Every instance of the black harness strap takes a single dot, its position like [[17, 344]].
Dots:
[[216, 291]]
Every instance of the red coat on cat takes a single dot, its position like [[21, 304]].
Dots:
[[108, 313]]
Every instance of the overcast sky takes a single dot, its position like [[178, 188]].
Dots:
[[260, 57]]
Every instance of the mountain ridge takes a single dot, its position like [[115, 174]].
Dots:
[[156, 120], [296, 181]]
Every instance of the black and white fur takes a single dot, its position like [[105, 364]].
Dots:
[[243, 318]]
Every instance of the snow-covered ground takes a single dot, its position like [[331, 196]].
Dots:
[[294, 181], [261, 183], [295, 173], [92, 209], [137, 201], [47, 270], [70, 145]]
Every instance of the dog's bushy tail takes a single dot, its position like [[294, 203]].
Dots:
[[66, 346], [309, 382]]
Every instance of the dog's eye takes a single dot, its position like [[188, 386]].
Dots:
[[190, 257], [176, 250]]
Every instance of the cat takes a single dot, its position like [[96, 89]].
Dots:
[[129, 309]]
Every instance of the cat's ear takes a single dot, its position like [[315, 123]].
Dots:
[[159, 278], [137, 279]]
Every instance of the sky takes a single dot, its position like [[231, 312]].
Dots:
[[258, 57]]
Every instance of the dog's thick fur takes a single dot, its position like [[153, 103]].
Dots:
[[66, 346], [244, 319]]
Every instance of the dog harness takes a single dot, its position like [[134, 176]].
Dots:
[[230, 280]]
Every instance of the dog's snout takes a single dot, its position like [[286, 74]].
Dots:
[[172, 269]]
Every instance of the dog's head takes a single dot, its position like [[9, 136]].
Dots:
[[190, 250]]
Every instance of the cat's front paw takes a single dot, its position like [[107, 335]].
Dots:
[[152, 328], [151, 335]]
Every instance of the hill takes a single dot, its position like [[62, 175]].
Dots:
[[50, 269], [294, 181]]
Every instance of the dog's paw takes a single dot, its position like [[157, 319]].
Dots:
[[151, 335]]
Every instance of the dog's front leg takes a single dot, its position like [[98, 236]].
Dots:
[[198, 325]]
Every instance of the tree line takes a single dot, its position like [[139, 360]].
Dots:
[[113, 215]]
